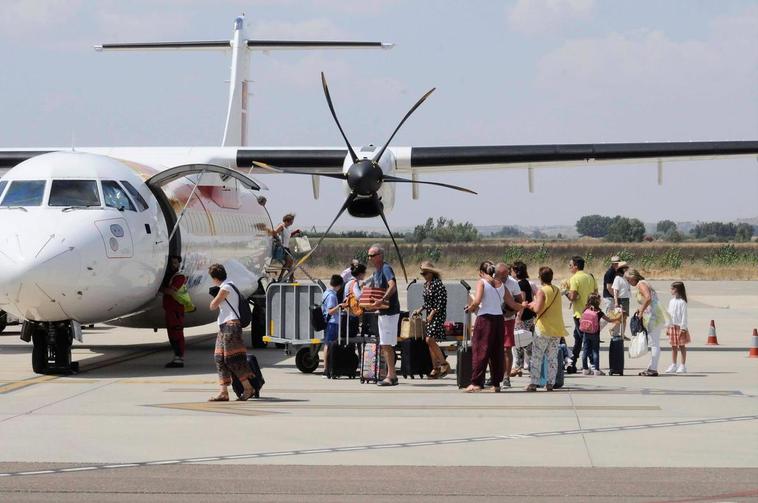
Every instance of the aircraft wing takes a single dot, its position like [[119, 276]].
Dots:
[[417, 160]]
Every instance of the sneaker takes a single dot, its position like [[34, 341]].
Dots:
[[176, 363], [681, 369], [506, 383], [586, 372], [599, 373], [672, 368]]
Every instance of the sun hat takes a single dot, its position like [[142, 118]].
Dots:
[[615, 259], [621, 265], [428, 266]]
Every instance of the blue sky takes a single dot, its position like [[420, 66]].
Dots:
[[517, 72]]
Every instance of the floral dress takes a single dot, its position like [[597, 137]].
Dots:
[[654, 317], [435, 297]]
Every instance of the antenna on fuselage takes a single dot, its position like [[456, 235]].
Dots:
[[235, 130]]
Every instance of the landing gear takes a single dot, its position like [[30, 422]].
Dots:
[[3, 321], [52, 342]]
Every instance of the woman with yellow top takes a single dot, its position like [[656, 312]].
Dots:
[[549, 329], [654, 318]]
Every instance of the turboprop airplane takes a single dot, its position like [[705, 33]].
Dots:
[[86, 234]]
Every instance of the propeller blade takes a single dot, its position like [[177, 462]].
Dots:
[[418, 104], [397, 248], [395, 179], [268, 167], [347, 203], [353, 155]]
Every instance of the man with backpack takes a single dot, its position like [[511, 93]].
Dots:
[[230, 353]]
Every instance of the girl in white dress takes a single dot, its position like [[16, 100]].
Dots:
[[677, 331]]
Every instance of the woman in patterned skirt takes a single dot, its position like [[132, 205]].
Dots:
[[435, 305], [230, 354]]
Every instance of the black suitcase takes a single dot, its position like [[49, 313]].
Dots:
[[616, 356], [343, 355], [463, 366], [415, 359], [257, 380]]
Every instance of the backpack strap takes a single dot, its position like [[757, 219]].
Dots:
[[230, 304]]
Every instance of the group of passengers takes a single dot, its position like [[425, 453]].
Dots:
[[504, 299]]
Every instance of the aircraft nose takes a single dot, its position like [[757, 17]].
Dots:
[[38, 270]]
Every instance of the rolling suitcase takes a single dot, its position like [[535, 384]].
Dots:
[[464, 365], [373, 364], [616, 356], [343, 357], [415, 359], [256, 380]]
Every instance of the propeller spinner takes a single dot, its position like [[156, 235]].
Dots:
[[364, 177]]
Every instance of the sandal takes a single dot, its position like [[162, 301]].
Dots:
[[444, 370], [473, 389], [219, 398], [648, 373], [531, 387], [435, 373], [517, 372], [246, 395]]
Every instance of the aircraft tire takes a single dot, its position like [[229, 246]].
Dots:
[[39, 351], [3, 321], [306, 360], [63, 342]]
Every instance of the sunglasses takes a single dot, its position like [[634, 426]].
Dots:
[[374, 255]]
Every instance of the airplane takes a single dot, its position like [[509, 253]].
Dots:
[[87, 233]]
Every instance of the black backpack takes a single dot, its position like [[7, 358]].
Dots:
[[318, 320], [243, 312], [636, 326]]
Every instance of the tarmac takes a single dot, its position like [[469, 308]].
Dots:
[[126, 428]]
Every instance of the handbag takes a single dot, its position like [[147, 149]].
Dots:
[[522, 337], [417, 327], [301, 245], [352, 302]]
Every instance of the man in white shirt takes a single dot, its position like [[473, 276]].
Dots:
[[503, 273]]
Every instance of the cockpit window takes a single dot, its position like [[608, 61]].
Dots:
[[141, 203], [24, 193], [2, 187], [74, 193], [115, 196]]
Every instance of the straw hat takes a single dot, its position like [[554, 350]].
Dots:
[[427, 266], [621, 265], [615, 259]]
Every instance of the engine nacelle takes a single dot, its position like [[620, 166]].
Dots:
[[387, 164]]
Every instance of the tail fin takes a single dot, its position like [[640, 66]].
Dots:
[[235, 130]]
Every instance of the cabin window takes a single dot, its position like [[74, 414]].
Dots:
[[25, 193], [115, 196], [138, 199], [74, 193]]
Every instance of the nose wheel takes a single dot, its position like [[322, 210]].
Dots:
[[51, 351]]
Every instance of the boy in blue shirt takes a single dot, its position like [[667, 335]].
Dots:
[[330, 307]]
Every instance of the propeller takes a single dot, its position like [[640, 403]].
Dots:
[[364, 178]]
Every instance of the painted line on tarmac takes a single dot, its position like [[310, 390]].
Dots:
[[332, 450]]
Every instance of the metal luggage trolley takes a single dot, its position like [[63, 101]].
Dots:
[[457, 300], [288, 321]]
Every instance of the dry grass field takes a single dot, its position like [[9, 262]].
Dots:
[[656, 260]]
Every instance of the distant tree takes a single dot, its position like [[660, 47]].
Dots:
[[665, 226], [743, 233], [626, 230], [673, 235], [714, 231], [595, 226], [508, 231], [443, 231], [538, 234]]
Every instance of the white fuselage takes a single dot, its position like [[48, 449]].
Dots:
[[107, 261]]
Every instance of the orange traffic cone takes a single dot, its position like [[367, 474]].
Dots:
[[754, 347], [712, 340]]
